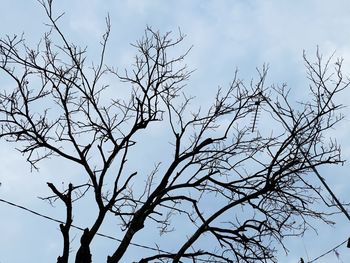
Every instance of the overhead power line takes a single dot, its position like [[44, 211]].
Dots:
[[77, 227], [323, 181], [136, 244], [82, 229], [327, 252]]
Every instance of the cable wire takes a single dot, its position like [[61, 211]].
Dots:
[[327, 252], [79, 228], [132, 243], [82, 229]]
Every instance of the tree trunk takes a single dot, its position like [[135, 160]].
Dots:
[[83, 254]]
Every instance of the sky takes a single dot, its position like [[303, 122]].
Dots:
[[226, 35]]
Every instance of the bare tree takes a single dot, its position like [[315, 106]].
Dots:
[[258, 175]]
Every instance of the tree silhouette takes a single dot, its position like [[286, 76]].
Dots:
[[260, 176]]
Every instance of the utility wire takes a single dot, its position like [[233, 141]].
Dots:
[[134, 244], [323, 181], [329, 251], [339, 204], [82, 229], [77, 227]]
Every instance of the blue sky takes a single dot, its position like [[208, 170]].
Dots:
[[225, 35]]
